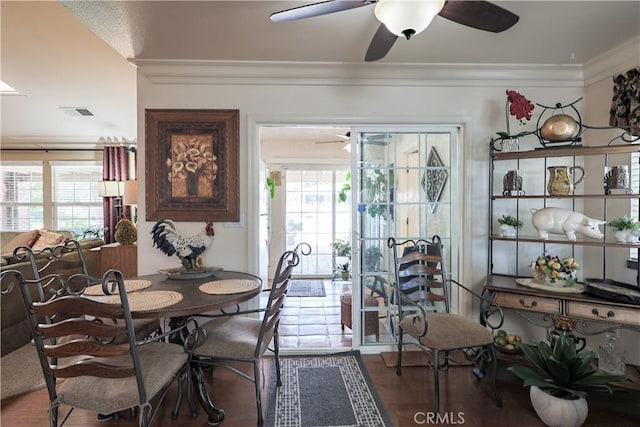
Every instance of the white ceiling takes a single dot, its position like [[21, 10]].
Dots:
[[74, 54]]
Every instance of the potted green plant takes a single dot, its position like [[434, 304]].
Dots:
[[372, 257], [346, 187], [509, 225], [560, 380], [344, 270], [626, 229], [341, 248]]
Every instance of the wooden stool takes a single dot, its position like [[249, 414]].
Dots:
[[371, 324]]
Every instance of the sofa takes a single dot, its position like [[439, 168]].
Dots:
[[14, 326]]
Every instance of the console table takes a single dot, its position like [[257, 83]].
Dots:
[[565, 311]]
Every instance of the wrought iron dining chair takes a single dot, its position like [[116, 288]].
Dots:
[[422, 295], [240, 338], [78, 341], [65, 260]]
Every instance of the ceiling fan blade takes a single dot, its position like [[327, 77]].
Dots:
[[381, 44], [316, 9], [482, 15], [331, 142]]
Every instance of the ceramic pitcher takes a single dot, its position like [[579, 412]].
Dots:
[[561, 182]]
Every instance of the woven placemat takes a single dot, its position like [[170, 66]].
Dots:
[[129, 285], [149, 300], [229, 286]]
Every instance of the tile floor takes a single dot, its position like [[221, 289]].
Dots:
[[314, 322]]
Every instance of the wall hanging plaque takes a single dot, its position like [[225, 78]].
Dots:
[[434, 179]]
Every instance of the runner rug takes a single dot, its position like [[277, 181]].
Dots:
[[327, 390], [306, 288]]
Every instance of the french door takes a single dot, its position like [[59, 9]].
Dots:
[[404, 181]]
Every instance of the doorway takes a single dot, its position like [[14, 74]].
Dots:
[[309, 163], [393, 193]]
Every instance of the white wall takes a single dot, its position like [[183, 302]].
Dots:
[[473, 96], [469, 95]]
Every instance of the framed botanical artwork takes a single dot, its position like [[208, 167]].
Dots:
[[192, 165]]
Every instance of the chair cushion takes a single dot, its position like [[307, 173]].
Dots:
[[447, 331], [159, 361], [21, 372], [233, 337]]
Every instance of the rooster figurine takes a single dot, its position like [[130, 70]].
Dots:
[[188, 249]]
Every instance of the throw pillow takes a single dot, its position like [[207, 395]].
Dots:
[[47, 238], [28, 238]]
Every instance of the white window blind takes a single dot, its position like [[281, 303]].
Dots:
[[21, 196], [77, 205]]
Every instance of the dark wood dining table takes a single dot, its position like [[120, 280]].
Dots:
[[195, 302]]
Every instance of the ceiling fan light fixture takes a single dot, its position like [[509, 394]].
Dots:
[[407, 17]]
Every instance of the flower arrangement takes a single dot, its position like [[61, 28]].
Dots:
[[519, 107], [192, 157], [555, 270]]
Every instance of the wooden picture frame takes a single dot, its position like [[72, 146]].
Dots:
[[192, 165]]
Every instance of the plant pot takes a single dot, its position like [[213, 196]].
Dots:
[[508, 231], [345, 275], [626, 236], [557, 412]]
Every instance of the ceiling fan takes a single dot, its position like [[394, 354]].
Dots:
[[344, 138], [370, 138], [408, 17]]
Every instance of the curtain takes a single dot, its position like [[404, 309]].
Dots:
[[115, 167], [625, 104]]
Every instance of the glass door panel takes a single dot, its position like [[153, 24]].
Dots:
[[404, 190]]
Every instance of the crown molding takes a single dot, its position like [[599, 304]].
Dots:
[[615, 61], [356, 74]]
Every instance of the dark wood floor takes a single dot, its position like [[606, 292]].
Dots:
[[405, 397]]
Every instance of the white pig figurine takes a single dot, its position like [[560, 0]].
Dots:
[[564, 221]]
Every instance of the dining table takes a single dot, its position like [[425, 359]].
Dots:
[[180, 297]]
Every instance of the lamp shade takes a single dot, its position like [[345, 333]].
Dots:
[[130, 197], [407, 17], [110, 188]]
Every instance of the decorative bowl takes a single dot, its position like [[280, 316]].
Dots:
[[560, 127]]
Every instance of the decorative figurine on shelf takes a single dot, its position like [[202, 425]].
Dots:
[[617, 178], [564, 221], [512, 183], [187, 248]]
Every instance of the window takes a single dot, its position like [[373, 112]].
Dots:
[[58, 195], [314, 216], [76, 203], [22, 196]]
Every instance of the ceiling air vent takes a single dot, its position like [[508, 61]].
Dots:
[[77, 111]]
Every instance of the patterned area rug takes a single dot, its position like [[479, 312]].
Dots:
[[328, 390], [306, 288]]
